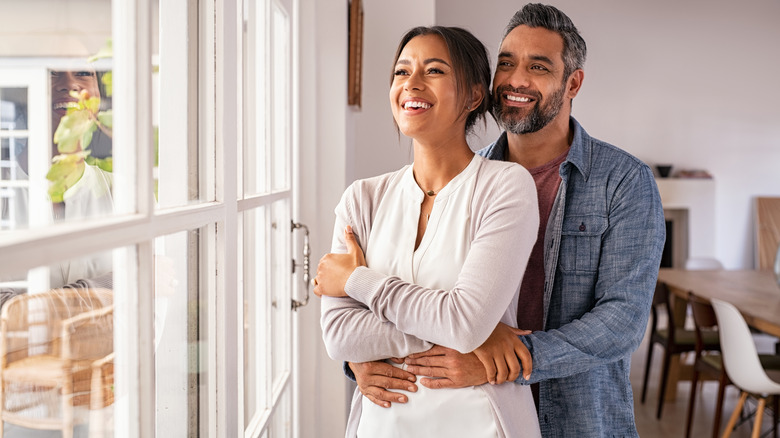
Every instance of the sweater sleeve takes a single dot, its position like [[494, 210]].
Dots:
[[350, 331], [507, 220]]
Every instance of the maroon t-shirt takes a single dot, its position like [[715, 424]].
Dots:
[[530, 309]]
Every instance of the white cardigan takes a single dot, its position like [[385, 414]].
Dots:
[[386, 316]]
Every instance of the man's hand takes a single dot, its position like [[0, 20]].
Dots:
[[374, 379], [453, 369], [495, 361]]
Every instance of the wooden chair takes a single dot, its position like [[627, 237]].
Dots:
[[673, 339], [710, 362], [707, 362], [50, 343]]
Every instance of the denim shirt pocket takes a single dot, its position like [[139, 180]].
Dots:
[[581, 243]]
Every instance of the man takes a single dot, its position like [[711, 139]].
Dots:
[[588, 288]]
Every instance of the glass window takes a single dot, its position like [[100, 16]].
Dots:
[[180, 311], [56, 156], [57, 348]]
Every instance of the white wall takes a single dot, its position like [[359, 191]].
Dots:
[[377, 146], [664, 80], [688, 83]]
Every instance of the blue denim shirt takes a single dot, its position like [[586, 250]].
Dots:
[[603, 248]]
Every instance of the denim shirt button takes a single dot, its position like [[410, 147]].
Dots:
[[582, 226]]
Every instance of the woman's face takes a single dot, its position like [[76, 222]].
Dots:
[[63, 82], [424, 96]]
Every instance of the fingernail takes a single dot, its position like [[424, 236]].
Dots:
[[402, 399], [387, 405], [492, 382], [410, 388], [527, 376]]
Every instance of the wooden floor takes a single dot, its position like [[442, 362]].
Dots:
[[672, 422]]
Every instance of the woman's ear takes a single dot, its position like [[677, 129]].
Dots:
[[477, 96]]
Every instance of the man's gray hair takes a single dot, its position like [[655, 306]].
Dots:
[[551, 18]]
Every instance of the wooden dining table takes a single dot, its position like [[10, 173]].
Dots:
[[754, 292]]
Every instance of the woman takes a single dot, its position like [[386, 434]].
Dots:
[[457, 225]]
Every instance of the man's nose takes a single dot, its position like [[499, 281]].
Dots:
[[66, 82], [518, 78]]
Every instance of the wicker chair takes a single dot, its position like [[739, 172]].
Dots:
[[50, 343]]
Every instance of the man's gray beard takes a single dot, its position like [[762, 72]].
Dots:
[[539, 117]]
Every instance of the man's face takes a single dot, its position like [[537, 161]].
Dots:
[[529, 89], [63, 82]]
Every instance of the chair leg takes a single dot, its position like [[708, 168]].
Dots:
[[735, 415], [776, 410], [759, 417], [664, 376], [691, 402], [719, 405], [647, 368]]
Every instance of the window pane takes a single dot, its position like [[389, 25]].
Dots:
[[257, 111], [55, 113], [59, 317], [179, 311], [178, 155], [281, 97], [280, 284], [257, 306]]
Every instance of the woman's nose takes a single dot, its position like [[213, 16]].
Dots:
[[415, 81]]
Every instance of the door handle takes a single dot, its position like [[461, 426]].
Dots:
[[305, 264]]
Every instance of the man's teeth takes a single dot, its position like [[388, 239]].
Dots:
[[517, 99], [413, 104], [65, 105]]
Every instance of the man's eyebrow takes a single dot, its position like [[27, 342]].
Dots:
[[542, 58]]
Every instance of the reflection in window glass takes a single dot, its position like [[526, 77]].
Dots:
[[179, 310], [55, 113], [57, 349]]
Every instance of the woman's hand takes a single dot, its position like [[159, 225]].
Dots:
[[504, 355], [334, 270]]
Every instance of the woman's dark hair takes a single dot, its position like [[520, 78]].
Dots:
[[469, 62]]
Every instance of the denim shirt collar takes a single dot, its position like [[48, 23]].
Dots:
[[579, 152]]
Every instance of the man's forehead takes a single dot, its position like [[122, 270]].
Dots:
[[524, 40]]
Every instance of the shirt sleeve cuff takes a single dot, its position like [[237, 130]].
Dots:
[[364, 283], [348, 372]]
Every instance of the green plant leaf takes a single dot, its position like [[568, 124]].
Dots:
[[92, 104], [64, 173], [108, 82], [74, 131], [106, 118], [106, 164], [106, 52]]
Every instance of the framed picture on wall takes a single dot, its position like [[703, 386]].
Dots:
[[355, 66]]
